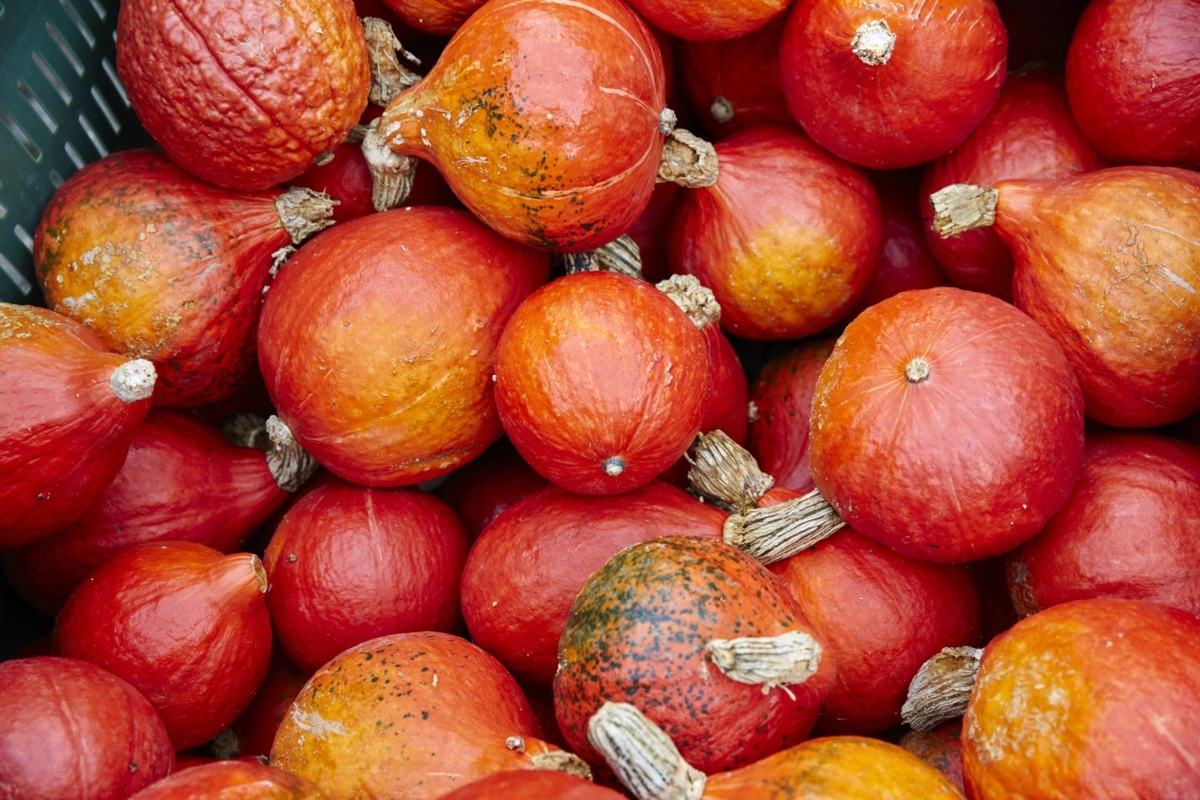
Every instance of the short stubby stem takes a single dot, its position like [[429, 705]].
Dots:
[[769, 661], [134, 380], [873, 42], [941, 688], [916, 370], [642, 755]]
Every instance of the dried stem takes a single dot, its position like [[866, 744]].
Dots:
[[769, 661], [391, 173], [289, 463], [134, 380], [873, 42], [963, 207], [388, 76], [688, 161], [696, 299], [642, 755], [941, 688], [620, 255], [777, 532], [562, 761], [723, 471], [303, 212]]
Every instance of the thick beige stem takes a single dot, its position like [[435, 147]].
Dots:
[[562, 761], [768, 661], [696, 299], [688, 161], [873, 42], [941, 688], [778, 532], [962, 207], [725, 472], [621, 255], [134, 380], [289, 463], [642, 755], [391, 173], [388, 76], [303, 212]]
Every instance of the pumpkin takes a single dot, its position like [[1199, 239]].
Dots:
[[167, 267], [727, 19], [184, 624], [561, 159], [410, 715], [703, 640], [385, 376], [1131, 528], [230, 778], [1029, 133], [892, 85], [1132, 66], [75, 730], [176, 465], [601, 381], [245, 96], [1105, 262], [439, 17], [947, 425], [825, 768], [524, 784], [1087, 698], [940, 748], [786, 238], [68, 409], [528, 565], [349, 563], [253, 732]]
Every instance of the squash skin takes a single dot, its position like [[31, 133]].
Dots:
[[962, 464], [1109, 694], [385, 377], [64, 432], [407, 716], [637, 632], [558, 159], [244, 94], [231, 778]]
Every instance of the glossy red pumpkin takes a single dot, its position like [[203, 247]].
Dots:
[[385, 376], [601, 382], [164, 266], [175, 467], [1131, 528], [947, 425], [786, 239], [230, 779], [881, 615], [68, 410], [1029, 133], [184, 624], [407, 716], [562, 159], [1133, 79], [528, 565], [72, 729], [349, 563], [649, 627], [244, 95], [1088, 698], [895, 84]]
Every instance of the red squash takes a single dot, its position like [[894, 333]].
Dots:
[[72, 729], [1092, 698], [787, 238], [244, 94], [480, 490], [704, 641], [1105, 261], [601, 381], [562, 159], [651, 229], [349, 563], [411, 717], [1130, 529], [782, 397], [253, 732], [167, 267], [881, 615], [733, 84], [895, 84], [176, 466], [68, 409], [529, 784], [712, 21], [183, 624], [947, 425], [528, 565], [232, 779], [940, 748], [1133, 79], [1029, 133], [385, 375]]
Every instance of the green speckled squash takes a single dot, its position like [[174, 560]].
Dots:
[[409, 716], [704, 641]]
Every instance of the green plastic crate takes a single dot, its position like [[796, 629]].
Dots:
[[61, 106]]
